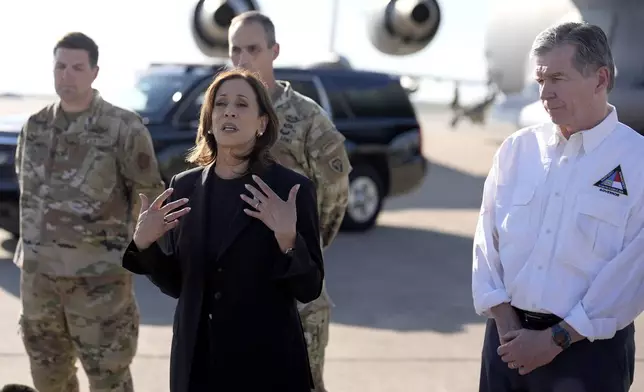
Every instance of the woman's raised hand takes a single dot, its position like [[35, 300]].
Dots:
[[155, 219], [279, 215]]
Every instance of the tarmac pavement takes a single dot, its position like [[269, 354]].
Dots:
[[403, 320]]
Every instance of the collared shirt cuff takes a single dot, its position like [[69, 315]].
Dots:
[[604, 328], [486, 301]]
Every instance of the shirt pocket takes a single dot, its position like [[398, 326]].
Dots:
[[96, 176], [515, 213], [601, 225]]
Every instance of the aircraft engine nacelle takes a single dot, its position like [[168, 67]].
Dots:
[[404, 27], [210, 22]]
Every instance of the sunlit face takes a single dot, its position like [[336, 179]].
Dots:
[[567, 95], [73, 74], [236, 122], [249, 48]]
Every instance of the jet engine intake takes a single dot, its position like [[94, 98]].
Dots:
[[210, 23], [404, 27]]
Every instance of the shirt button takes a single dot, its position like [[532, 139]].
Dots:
[[210, 316], [220, 269], [547, 231], [217, 295], [540, 268], [557, 194]]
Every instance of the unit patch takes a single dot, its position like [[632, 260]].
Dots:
[[613, 183]]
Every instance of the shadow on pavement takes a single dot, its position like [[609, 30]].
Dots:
[[401, 279], [443, 187], [388, 278]]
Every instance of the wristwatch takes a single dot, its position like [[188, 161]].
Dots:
[[560, 336], [289, 252]]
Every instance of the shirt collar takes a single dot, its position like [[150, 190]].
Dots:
[[93, 110], [556, 136], [591, 138]]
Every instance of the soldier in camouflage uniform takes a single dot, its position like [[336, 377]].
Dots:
[[308, 143], [81, 163]]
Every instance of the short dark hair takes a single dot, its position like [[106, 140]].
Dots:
[[17, 388], [78, 40], [592, 47], [205, 150], [262, 19]]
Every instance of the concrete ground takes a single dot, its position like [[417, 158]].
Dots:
[[403, 320]]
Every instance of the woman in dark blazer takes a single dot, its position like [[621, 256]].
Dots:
[[236, 240]]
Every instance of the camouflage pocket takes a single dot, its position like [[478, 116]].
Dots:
[[96, 177]]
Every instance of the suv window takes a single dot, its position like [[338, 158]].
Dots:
[[338, 103], [151, 92], [370, 97], [389, 100], [193, 109]]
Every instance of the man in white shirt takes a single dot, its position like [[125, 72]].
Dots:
[[558, 263]]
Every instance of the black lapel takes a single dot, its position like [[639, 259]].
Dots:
[[196, 224], [242, 220]]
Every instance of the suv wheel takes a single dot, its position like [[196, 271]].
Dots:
[[11, 218], [365, 199]]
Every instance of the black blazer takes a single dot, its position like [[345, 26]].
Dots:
[[257, 334]]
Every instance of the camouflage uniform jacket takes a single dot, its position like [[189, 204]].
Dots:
[[79, 186], [309, 143]]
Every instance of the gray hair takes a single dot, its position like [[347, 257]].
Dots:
[[593, 50], [262, 19]]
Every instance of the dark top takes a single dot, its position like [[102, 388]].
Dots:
[[224, 203], [236, 325]]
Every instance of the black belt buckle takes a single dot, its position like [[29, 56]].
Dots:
[[531, 321], [536, 321], [533, 317]]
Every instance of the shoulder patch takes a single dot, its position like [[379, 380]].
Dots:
[[337, 165]]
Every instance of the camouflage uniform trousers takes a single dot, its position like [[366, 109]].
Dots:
[[94, 318], [315, 322]]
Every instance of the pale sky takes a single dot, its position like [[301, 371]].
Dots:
[[132, 33]]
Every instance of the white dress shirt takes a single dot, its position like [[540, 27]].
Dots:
[[561, 227]]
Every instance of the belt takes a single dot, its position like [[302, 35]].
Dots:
[[536, 321]]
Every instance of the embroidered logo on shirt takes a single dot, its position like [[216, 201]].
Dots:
[[613, 182]]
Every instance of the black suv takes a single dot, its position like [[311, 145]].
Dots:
[[372, 110]]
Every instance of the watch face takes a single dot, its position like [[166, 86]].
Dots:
[[560, 337]]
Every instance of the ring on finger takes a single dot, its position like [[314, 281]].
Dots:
[[257, 203]]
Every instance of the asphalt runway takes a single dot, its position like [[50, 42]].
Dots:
[[403, 320]]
